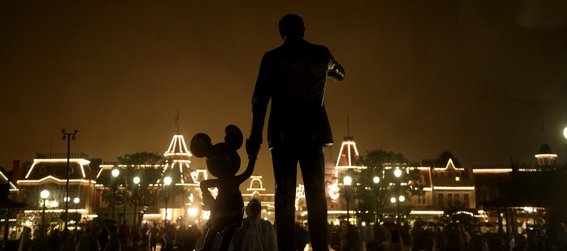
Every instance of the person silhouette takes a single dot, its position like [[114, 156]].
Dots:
[[293, 77]]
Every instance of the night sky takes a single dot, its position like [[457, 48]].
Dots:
[[478, 78]]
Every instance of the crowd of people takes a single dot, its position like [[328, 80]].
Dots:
[[257, 234], [96, 236], [452, 236]]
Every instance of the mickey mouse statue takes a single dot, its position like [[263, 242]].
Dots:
[[223, 162]]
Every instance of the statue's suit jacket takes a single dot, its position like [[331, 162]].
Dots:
[[293, 77]]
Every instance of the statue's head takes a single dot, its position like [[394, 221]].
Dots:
[[222, 158], [291, 27]]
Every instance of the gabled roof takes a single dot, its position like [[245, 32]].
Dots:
[[447, 173], [57, 168], [4, 179], [447, 160]]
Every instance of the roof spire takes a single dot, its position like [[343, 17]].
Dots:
[[177, 121], [348, 124], [543, 131]]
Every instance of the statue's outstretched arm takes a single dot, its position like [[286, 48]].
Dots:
[[335, 70], [249, 169]]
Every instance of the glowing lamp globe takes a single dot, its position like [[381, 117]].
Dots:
[[347, 180], [76, 200], [115, 173], [565, 132], [376, 179], [44, 194], [402, 198], [397, 173], [136, 180], [167, 180]]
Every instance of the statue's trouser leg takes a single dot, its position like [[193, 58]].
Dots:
[[311, 160], [312, 165], [285, 173]]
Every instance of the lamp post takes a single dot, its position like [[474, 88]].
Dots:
[[76, 201], [136, 181], [44, 194], [68, 136], [398, 174], [347, 182], [124, 193], [115, 173], [376, 181], [166, 181], [565, 136]]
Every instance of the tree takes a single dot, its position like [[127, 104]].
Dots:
[[146, 165], [139, 158], [374, 196]]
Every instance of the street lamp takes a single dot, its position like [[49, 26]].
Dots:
[[166, 181], [376, 181], [68, 136], [136, 181], [124, 195], [115, 172], [76, 201], [565, 136], [347, 181], [44, 194], [398, 174]]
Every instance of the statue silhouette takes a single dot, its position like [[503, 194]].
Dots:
[[223, 162], [293, 76]]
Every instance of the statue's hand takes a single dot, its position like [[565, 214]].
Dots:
[[252, 148], [335, 70], [208, 201]]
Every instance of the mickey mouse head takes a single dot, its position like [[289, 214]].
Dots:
[[222, 158]]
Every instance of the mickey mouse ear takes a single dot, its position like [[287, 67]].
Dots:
[[233, 136], [200, 145]]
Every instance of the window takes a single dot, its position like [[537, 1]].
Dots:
[[440, 200], [456, 200], [485, 195], [450, 200], [421, 199], [466, 200]]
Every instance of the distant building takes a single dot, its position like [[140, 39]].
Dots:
[[49, 172]]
